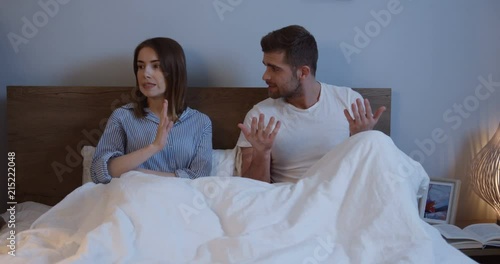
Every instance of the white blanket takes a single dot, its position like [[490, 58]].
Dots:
[[357, 205]]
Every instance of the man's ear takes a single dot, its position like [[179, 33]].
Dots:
[[303, 72]]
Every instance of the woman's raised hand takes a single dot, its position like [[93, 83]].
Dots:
[[163, 128]]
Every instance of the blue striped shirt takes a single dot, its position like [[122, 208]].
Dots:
[[188, 152]]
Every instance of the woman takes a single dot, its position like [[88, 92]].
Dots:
[[157, 133]]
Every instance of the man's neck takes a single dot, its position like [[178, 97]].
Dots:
[[310, 96]]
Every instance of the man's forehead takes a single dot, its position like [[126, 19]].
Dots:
[[275, 57]]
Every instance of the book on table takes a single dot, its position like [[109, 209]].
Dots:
[[472, 236]]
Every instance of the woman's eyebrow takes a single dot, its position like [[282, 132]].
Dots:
[[149, 61]]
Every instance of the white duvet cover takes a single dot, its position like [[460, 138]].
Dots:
[[357, 205]]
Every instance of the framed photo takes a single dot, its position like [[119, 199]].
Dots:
[[439, 204]]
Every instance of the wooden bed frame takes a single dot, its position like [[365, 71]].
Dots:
[[48, 126]]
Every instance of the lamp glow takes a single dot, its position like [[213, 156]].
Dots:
[[485, 173]]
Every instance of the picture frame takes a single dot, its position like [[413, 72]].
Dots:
[[439, 203]]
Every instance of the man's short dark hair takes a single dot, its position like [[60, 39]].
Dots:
[[298, 44]]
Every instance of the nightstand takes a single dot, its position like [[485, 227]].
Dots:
[[486, 255]]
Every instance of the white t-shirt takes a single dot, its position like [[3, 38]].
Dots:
[[305, 134]]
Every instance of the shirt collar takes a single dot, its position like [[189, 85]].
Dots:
[[152, 117]]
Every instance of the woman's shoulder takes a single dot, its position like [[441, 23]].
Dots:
[[195, 115], [124, 111]]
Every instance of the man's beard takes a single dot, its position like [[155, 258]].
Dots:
[[296, 90]]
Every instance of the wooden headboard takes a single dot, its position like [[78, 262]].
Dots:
[[48, 126]]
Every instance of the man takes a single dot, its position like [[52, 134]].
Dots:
[[306, 119]]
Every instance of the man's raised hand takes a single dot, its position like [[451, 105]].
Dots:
[[261, 136], [362, 119]]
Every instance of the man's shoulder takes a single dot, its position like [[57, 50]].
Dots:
[[340, 91], [267, 102], [269, 105], [337, 88]]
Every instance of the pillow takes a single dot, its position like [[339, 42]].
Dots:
[[224, 162], [87, 154]]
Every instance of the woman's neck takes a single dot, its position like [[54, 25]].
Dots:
[[155, 105]]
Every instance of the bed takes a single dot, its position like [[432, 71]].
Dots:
[[222, 219]]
